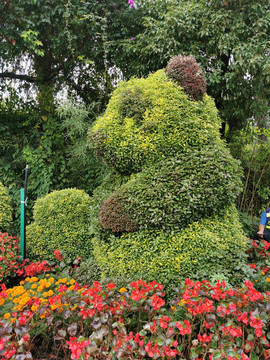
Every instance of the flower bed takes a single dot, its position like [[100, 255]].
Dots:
[[11, 264], [259, 256], [46, 316]]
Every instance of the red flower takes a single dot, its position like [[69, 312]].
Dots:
[[157, 302], [163, 324], [22, 319], [111, 286], [205, 338], [184, 329], [58, 256]]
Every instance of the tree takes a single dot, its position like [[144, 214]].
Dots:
[[66, 44], [46, 46], [230, 39]]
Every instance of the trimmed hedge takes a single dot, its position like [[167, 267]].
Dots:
[[5, 209], [165, 211], [151, 119], [61, 221], [175, 192], [208, 246]]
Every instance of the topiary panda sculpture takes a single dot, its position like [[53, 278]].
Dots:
[[166, 210]]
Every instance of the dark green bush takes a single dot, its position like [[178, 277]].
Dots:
[[175, 192], [134, 103], [188, 74], [61, 221], [5, 209], [87, 272], [151, 119], [250, 225], [211, 245]]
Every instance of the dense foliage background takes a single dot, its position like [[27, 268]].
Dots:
[[81, 50]]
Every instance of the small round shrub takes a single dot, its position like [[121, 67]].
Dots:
[[188, 74], [61, 221], [5, 209], [214, 244], [111, 183], [151, 119], [175, 192]]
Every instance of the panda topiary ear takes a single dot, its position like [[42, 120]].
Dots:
[[188, 74]]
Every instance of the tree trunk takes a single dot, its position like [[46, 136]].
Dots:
[[44, 71]]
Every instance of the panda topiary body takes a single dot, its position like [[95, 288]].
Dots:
[[166, 209]]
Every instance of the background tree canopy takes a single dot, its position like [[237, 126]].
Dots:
[[66, 43], [81, 48], [78, 44], [230, 39], [46, 47]]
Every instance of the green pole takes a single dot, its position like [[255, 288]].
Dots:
[[22, 241]]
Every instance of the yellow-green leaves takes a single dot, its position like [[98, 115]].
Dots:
[[147, 119], [203, 248], [61, 221], [5, 209], [31, 39]]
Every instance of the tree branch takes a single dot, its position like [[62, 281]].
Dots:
[[12, 75]]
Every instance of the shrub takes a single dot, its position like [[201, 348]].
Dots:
[[167, 213], [188, 74], [112, 182], [5, 209], [214, 244], [151, 119], [175, 192], [114, 215], [249, 224], [61, 221]]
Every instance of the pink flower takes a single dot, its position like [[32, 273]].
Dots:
[[131, 3]]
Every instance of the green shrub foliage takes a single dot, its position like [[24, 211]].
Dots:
[[87, 272], [165, 211], [61, 221], [175, 192], [188, 74], [5, 209], [210, 245], [151, 119]]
